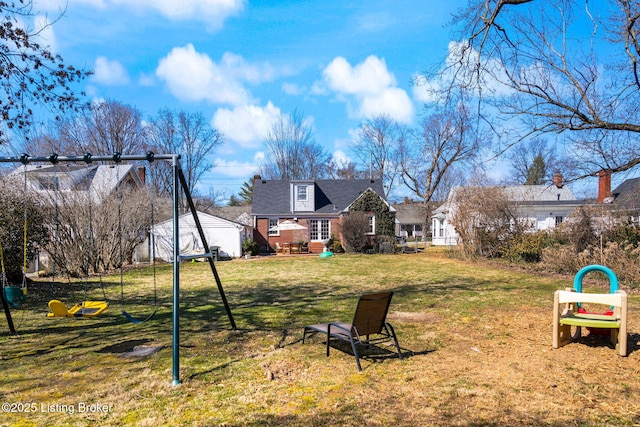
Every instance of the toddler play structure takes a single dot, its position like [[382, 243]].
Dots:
[[180, 188], [569, 311]]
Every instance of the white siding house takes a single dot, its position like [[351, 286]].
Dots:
[[543, 207]]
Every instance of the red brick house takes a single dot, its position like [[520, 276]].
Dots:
[[312, 208]]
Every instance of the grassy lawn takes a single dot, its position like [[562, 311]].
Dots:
[[477, 341]]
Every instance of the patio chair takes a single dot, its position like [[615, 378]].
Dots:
[[369, 319]]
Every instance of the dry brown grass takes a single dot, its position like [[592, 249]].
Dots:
[[477, 341]]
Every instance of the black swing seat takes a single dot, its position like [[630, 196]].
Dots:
[[83, 309]]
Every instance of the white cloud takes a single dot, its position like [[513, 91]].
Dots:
[[211, 12], [246, 125], [368, 77], [392, 101], [193, 76], [341, 158], [368, 89], [234, 168], [108, 72], [61, 5], [236, 65]]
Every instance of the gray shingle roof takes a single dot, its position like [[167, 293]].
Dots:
[[414, 213], [627, 194], [272, 197], [103, 179]]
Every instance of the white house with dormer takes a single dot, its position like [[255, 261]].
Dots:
[[542, 207]]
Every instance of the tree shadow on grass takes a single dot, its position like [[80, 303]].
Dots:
[[123, 346]]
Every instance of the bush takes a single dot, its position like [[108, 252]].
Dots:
[[12, 229], [355, 226], [249, 246], [527, 247]]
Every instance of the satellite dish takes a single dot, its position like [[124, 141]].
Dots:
[[608, 199]]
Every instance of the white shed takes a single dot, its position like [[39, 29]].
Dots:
[[227, 235]]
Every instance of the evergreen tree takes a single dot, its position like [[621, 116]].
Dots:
[[536, 172]]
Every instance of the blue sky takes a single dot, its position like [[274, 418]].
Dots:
[[243, 63]]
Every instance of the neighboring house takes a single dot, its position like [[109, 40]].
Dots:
[[241, 214], [225, 234], [98, 180], [542, 207], [314, 209], [79, 183], [624, 200], [410, 219], [620, 205]]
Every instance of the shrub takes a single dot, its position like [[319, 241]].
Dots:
[[355, 226], [12, 229], [249, 246], [527, 247]]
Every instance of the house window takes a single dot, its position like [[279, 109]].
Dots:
[[372, 224], [438, 227], [319, 229], [302, 192], [51, 183], [273, 224], [559, 220]]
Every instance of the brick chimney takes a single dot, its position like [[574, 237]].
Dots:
[[142, 172], [557, 180], [604, 185]]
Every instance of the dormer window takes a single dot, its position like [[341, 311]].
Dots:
[[302, 193], [302, 196]]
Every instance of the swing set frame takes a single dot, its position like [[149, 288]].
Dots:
[[179, 186]]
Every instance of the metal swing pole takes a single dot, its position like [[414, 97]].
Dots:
[[203, 238], [7, 311], [176, 272]]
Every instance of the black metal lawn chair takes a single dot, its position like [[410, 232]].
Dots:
[[369, 320]]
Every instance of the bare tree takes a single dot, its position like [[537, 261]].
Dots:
[[485, 220], [559, 67], [431, 161], [347, 170], [88, 237], [534, 162], [187, 134], [377, 144], [104, 128], [292, 152], [30, 73]]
